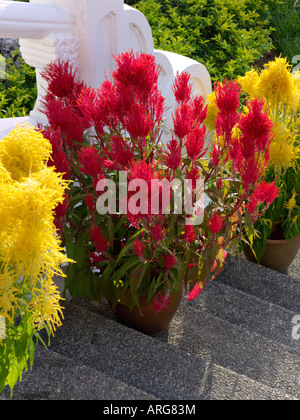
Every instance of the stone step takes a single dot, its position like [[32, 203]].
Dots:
[[261, 282], [249, 312], [56, 377], [169, 368], [237, 349]]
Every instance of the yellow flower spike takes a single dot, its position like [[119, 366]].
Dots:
[[212, 112], [283, 152], [30, 251], [292, 203], [249, 83], [276, 84], [24, 151]]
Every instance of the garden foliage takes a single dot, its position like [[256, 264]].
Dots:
[[227, 36]]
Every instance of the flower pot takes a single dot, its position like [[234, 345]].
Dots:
[[147, 320], [279, 254]]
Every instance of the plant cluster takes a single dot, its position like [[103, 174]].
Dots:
[[30, 252], [280, 89], [129, 250]]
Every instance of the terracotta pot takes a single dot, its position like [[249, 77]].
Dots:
[[147, 321], [279, 254]]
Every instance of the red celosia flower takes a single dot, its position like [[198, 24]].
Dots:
[[138, 71], [228, 96], [63, 118], [121, 153], [189, 234], [227, 101], [99, 240], [139, 248], [252, 205], [215, 223], [195, 143], [266, 192], [157, 233], [60, 212], [199, 111], [169, 261], [256, 128], [138, 122], [90, 161], [215, 155], [61, 80], [182, 87], [251, 170], [182, 121], [173, 157], [161, 302], [90, 202], [193, 175]]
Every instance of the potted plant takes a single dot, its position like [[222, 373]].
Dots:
[[134, 219], [279, 227]]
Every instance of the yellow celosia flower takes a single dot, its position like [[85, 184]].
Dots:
[[30, 252], [283, 152], [276, 84], [24, 151], [212, 112], [292, 203], [249, 83], [46, 306]]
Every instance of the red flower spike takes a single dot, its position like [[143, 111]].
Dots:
[[121, 153], [195, 143], [189, 234], [199, 111], [137, 71], [215, 223], [173, 157], [61, 80], [266, 192], [256, 128], [137, 122], [157, 233], [161, 302], [183, 121], [139, 248], [99, 240], [90, 161], [170, 261], [228, 96], [182, 87]]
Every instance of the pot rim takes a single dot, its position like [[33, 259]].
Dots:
[[282, 241]]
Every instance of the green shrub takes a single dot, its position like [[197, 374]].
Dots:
[[286, 20], [18, 90], [227, 36]]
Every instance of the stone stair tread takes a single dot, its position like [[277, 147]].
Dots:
[[236, 349], [56, 377], [262, 282], [166, 370], [248, 311]]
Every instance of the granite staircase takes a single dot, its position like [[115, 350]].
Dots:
[[234, 342]]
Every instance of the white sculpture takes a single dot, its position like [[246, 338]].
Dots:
[[88, 33]]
